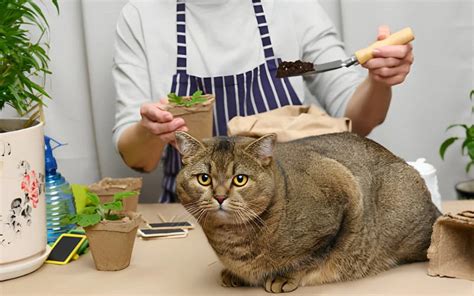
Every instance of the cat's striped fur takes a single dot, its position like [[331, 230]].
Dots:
[[321, 209]]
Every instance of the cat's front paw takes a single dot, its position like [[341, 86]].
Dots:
[[228, 279], [281, 284]]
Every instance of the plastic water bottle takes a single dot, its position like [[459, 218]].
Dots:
[[59, 199], [428, 173]]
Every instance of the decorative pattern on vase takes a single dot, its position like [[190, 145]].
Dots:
[[5, 149], [21, 208]]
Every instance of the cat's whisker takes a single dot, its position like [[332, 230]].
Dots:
[[243, 226], [202, 211], [254, 219], [248, 207], [255, 227], [245, 208], [206, 214], [246, 222], [192, 209], [196, 208], [199, 216], [255, 216], [187, 215], [236, 211], [207, 208], [245, 218], [196, 212]]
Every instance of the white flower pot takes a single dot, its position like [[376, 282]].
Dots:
[[23, 245]]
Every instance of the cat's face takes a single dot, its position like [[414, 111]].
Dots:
[[225, 180]]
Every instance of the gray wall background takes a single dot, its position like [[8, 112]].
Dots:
[[434, 95]]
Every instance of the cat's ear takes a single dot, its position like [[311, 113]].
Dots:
[[187, 145], [262, 148]]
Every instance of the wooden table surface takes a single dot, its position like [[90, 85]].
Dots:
[[188, 266]]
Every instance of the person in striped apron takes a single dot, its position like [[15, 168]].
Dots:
[[255, 90]]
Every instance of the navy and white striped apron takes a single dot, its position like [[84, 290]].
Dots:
[[254, 91]]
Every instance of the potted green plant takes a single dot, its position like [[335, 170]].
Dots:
[[196, 110], [23, 68], [464, 189], [110, 230]]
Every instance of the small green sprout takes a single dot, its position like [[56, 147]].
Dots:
[[96, 211], [196, 98]]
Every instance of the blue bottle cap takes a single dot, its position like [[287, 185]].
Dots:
[[49, 160]]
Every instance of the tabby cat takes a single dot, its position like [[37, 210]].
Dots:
[[321, 209]]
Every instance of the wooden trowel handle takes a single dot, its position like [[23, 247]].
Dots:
[[399, 38]]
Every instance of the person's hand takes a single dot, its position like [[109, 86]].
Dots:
[[390, 64], [160, 122]]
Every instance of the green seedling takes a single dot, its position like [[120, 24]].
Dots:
[[96, 211], [467, 141], [196, 98]]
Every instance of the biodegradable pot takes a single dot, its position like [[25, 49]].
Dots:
[[465, 189], [111, 242], [198, 117], [107, 187], [23, 245]]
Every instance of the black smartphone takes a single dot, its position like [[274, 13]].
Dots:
[[171, 225]]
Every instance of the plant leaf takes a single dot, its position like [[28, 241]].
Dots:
[[114, 206], [457, 124], [197, 93], [69, 219], [113, 217], [198, 99], [55, 3], [23, 61], [470, 132], [173, 98], [93, 198], [468, 166], [85, 220], [89, 210], [38, 12], [470, 150], [121, 195], [445, 145], [464, 145]]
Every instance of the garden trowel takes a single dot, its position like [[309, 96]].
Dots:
[[288, 69]]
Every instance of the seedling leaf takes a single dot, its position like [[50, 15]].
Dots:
[[93, 198], [445, 145], [122, 195], [85, 220], [114, 206]]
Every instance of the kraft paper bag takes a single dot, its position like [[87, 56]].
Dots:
[[451, 252], [288, 123], [198, 118]]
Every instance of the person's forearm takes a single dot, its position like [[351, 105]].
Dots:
[[368, 106], [139, 148]]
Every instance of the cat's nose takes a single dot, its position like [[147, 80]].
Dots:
[[220, 198]]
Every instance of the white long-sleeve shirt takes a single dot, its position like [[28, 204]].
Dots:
[[223, 39]]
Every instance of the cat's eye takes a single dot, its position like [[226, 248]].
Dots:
[[204, 179], [240, 180]]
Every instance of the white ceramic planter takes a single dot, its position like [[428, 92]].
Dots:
[[23, 245]]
